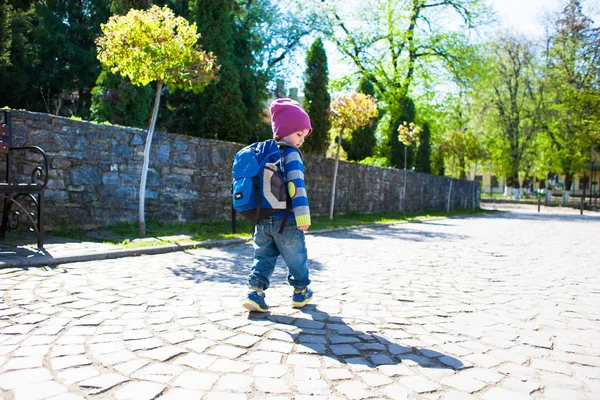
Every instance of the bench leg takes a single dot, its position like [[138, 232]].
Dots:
[[40, 221], [4, 226]]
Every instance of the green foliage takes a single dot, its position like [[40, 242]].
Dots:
[[173, 58], [437, 162], [65, 64], [361, 142], [122, 7], [5, 33], [376, 161], [404, 110], [398, 42], [572, 95], [253, 79], [423, 157], [509, 101], [219, 112], [352, 111], [317, 99], [117, 101], [18, 69]]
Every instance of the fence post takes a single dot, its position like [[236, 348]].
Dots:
[[539, 200]]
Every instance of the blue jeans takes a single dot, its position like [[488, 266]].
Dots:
[[269, 244]]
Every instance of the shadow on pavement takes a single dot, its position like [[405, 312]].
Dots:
[[402, 232], [588, 216], [230, 269], [330, 336]]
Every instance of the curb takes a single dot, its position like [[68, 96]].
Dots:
[[47, 260]]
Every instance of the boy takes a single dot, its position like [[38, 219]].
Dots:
[[290, 124]]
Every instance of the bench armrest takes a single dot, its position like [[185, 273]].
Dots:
[[38, 172]]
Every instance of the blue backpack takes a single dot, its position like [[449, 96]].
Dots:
[[259, 187]]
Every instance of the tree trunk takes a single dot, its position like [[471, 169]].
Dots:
[[473, 188], [337, 161], [450, 188], [142, 195]]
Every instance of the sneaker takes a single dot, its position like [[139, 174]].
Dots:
[[301, 297], [255, 302]]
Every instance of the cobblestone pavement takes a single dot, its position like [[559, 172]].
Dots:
[[503, 306]]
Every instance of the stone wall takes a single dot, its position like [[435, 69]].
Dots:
[[95, 177]]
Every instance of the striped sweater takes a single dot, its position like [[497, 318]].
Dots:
[[294, 171]]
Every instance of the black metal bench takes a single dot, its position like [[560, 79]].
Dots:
[[20, 195]]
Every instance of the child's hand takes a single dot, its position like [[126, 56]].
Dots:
[[303, 227]]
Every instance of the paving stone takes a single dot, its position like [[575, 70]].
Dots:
[[418, 384], [375, 379], [12, 379], [234, 383], [552, 366], [69, 361], [20, 363], [483, 375], [26, 351], [463, 383], [272, 385], [526, 386], [101, 383], [163, 353], [225, 396], [160, 373], [503, 394], [129, 367], [243, 340], [182, 394], [227, 351], [397, 392], [178, 337], [344, 350], [229, 366], [196, 380], [139, 390], [334, 374], [269, 357], [355, 390], [38, 390], [270, 370], [303, 360], [456, 395]]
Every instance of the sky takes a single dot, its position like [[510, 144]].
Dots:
[[521, 16]]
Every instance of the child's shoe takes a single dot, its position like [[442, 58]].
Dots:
[[256, 302], [301, 297]]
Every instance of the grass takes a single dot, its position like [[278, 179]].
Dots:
[[157, 233]]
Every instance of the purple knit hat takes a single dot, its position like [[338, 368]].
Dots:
[[287, 117]]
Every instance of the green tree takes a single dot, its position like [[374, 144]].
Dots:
[[174, 60], [317, 98], [66, 67], [348, 113], [361, 142], [510, 100], [17, 67], [219, 112], [572, 90], [423, 157], [437, 162], [5, 32], [118, 101], [400, 41], [404, 110], [115, 99]]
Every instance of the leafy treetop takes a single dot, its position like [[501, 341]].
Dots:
[[353, 111], [154, 45]]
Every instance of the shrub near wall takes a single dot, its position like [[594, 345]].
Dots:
[[95, 176]]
